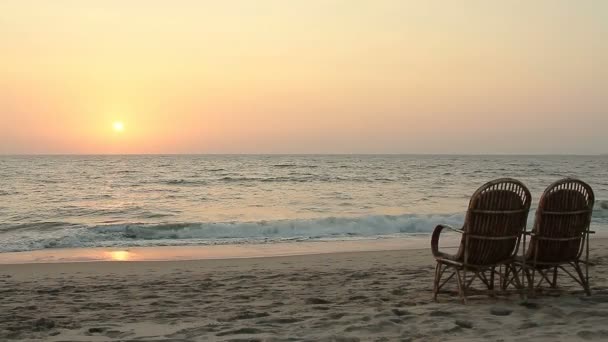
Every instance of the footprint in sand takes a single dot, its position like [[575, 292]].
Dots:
[[500, 311], [593, 335], [245, 315], [440, 313], [316, 301], [358, 297], [241, 331], [464, 324], [283, 320]]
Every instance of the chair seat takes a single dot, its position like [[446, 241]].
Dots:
[[539, 263], [453, 260], [448, 257]]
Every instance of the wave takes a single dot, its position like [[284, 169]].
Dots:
[[184, 182], [41, 235], [229, 179], [36, 226], [600, 210], [125, 211], [294, 176], [307, 177], [315, 228], [287, 165], [24, 238]]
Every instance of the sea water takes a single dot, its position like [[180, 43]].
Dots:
[[175, 200]]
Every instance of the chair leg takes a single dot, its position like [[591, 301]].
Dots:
[[584, 280], [491, 285], [461, 287], [504, 283], [520, 285], [554, 283], [437, 280], [516, 282], [511, 277], [530, 278]]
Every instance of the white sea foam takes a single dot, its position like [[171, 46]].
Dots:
[[600, 210], [222, 233], [43, 235]]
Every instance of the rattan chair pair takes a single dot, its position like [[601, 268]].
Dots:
[[495, 226]]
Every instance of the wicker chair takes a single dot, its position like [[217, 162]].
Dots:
[[494, 223], [559, 237]]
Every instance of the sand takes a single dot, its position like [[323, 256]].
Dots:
[[367, 296]]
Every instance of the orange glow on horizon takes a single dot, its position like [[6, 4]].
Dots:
[[317, 76]]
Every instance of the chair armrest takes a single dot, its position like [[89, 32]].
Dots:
[[451, 228], [534, 234], [435, 237]]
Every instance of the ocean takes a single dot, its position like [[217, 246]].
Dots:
[[176, 200]]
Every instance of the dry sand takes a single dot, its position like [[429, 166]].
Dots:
[[367, 296]]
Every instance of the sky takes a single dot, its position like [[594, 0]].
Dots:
[[314, 76]]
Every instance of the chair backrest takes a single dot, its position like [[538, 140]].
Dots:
[[564, 212], [495, 222]]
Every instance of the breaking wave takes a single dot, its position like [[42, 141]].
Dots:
[[57, 235], [600, 210], [41, 235]]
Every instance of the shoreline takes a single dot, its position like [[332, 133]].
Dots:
[[232, 251], [228, 251]]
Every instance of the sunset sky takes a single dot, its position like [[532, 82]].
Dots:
[[313, 76]]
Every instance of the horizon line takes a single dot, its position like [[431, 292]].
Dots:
[[299, 154]]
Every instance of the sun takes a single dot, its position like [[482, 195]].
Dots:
[[118, 126]]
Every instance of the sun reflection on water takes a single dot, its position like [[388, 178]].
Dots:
[[120, 255]]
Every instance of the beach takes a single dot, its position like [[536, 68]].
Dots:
[[349, 296], [241, 170]]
